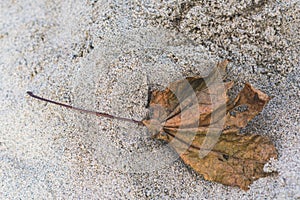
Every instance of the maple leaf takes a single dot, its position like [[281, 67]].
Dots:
[[197, 118], [235, 159]]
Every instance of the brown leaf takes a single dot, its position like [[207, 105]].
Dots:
[[195, 116]]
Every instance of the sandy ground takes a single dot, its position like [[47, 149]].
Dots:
[[104, 56]]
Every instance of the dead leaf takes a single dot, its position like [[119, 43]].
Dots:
[[235, 159], [197, 118]]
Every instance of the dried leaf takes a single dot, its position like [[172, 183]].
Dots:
[[234, 159], [196, 117]]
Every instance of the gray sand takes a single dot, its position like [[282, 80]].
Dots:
[[103, 56]]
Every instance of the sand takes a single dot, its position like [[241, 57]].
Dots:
[[104, 56]]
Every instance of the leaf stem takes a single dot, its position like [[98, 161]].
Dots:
[[99, 114]]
